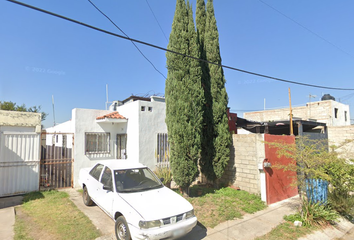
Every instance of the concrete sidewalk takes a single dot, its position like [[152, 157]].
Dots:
[[254, 225], [7, 216]]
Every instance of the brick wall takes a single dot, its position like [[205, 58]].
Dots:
[[338, 135], [247, 151]]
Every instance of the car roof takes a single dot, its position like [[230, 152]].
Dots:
[[115, 164]]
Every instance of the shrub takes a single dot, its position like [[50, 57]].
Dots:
[[314, 214], [165, 174]]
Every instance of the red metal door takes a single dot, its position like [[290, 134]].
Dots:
[[278, 182]]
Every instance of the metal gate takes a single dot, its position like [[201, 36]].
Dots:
[[56, 168], [19, 162], [278, 181]]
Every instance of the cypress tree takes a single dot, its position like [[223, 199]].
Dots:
[[184, 98], [206, 161], [221, 135]]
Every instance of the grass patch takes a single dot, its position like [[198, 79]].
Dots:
[[22, 230], [52, 215], [216, 206], [287, 230]]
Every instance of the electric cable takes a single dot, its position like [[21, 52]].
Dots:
[[174, 52], [156, 20], [127, 36], [307, 29]]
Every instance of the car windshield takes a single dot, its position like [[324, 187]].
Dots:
[[135, 180]]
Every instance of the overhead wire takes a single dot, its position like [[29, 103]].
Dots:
[[306, 28], [156, 20], [127, 37], [174, 52]]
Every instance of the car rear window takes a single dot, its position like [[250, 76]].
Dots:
[[96, 171]]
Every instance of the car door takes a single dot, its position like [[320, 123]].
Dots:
[[93, 183], [105, 196]]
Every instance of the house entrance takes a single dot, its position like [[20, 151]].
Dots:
[[56, 160], [278, 182], [121, 146]]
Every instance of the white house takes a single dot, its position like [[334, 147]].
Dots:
[[131, 130]]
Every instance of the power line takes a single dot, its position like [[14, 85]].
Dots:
[[306, 28], [156, 20], [127, 37], [174, 52]]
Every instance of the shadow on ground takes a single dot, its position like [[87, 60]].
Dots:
[[198, 232]]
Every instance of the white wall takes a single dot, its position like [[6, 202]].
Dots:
[[150, 124], [131, 112], [340, 120], [84, 120], [143, 127], [65, 127]]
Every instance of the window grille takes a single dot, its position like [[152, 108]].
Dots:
[[97, 143], [163, 149]]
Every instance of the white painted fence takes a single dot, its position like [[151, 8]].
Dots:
[[19, 162]]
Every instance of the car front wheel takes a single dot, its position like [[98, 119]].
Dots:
[[86, 197], [121, 229]]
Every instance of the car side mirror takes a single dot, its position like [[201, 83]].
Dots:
[[108, 188]]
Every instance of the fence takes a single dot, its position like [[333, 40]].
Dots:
[[56, 161]]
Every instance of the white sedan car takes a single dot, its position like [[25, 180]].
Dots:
[[141, 206]]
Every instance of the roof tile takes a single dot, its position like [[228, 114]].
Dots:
[[114, 115]]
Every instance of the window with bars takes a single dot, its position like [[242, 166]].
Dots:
[[163, 149], [97, 142]]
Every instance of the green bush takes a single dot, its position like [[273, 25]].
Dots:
[[314, 214]]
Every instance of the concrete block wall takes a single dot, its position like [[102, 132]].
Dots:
[[338, 135], [322, 111], [247, 151]]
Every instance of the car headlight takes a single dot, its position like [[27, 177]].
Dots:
[[190, 214], [149, 224]]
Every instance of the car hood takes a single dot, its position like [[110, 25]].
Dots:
[[157, 203]]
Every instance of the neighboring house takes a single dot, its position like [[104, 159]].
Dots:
[[19, 152], [326, 111], [232, 121], [133, 129]]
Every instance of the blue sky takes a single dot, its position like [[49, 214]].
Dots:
[[43, 56]]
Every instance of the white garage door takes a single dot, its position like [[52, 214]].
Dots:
[[19, 162]]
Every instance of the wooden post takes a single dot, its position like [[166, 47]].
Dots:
[[291, 116]]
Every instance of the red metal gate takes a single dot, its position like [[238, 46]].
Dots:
[[278, 182]]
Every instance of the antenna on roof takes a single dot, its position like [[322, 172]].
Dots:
[[53, 109], [106, 96]]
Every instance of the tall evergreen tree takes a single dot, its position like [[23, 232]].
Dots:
[[206, 161], [222, 137], [184, 98]]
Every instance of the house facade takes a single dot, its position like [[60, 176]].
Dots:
[[331, 112], [131, 130]]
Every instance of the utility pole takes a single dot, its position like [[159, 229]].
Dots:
[[291, 116]]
